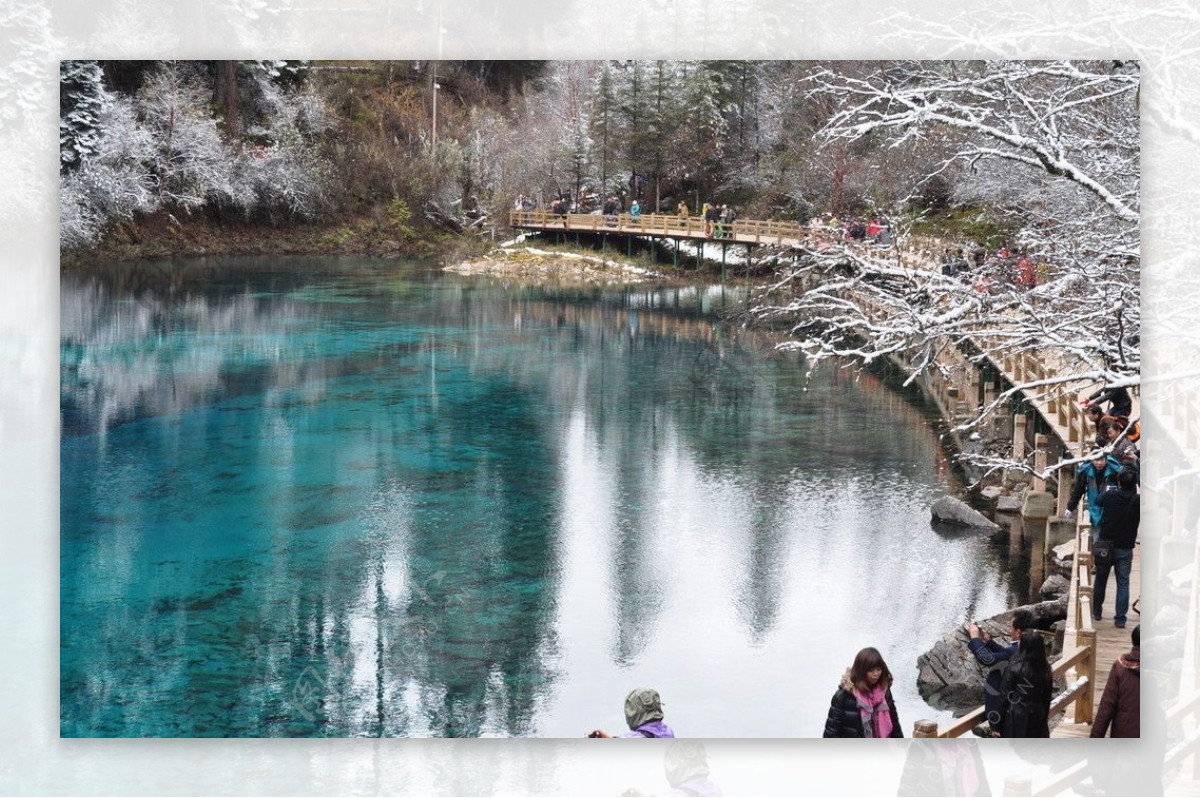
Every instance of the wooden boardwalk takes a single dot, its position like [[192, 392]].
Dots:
[[1111, 642], [748, 232]]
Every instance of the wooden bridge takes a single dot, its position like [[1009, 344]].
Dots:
[[749, 233]]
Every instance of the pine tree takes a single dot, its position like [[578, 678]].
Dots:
[[704, 126], [82, 99], [605, 124]]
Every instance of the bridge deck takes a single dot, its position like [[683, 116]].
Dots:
[[1111, 643]]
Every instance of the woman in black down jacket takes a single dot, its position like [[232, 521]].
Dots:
[[1026, 690], [863, 705]]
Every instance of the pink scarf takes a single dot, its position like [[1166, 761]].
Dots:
[[874, 713]]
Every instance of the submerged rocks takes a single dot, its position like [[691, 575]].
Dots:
[[949, 510], [948, 675]]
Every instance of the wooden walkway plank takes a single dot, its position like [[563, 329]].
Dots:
[[1111, 642]]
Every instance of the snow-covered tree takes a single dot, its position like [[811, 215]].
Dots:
[[82, 98], [1066, 134], [114, 183], [191, 161]]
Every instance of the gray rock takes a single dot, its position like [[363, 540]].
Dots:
[[1055, 586], [1038, 504], [1016, 476], [949, 510], [1064, 552], [991, 493], [1009, 504], [948, 675]]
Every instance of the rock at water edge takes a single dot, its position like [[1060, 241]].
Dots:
[[949, 510]]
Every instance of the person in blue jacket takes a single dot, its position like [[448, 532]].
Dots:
[[1093, 478]]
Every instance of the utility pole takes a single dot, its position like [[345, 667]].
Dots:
[[441, 30]]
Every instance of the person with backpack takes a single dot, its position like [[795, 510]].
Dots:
[[1121, 514], [643, 715]]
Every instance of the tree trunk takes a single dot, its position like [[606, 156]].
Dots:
[[225, 95]]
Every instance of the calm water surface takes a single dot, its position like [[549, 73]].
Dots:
[[348, 497]]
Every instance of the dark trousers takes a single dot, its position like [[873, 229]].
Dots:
[[1123, 564]]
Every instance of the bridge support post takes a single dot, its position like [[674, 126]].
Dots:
[[723, 245], [1019, 423], [925, 728], [676, 254], [1040, 442]]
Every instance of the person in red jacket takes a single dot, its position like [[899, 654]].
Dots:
[[1121, 704]]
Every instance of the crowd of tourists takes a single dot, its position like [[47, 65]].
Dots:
[[855, 229], [1018, 682], [993, 272]]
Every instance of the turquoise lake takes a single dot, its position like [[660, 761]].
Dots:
[[351, 497]]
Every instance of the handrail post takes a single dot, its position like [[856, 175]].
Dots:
[[925, 728], [1087, 668]]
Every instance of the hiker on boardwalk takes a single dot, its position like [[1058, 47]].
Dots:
[[635, 210], [711, 215], [728, 217], [1120, 403], [863, 704], [990, 655], [1119, 520], [1026, 690], [1121, 704], [643, 714], [682, 210], [1093, 478], [1102, 423], [1124, 449]]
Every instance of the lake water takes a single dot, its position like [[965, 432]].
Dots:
[[357, 498]]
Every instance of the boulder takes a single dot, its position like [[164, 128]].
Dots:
[[1009, 504], [1055, 585], [1064, 552], [1016, 476], [949, 510], [948, 675], [991, 493], [1038, 504]]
